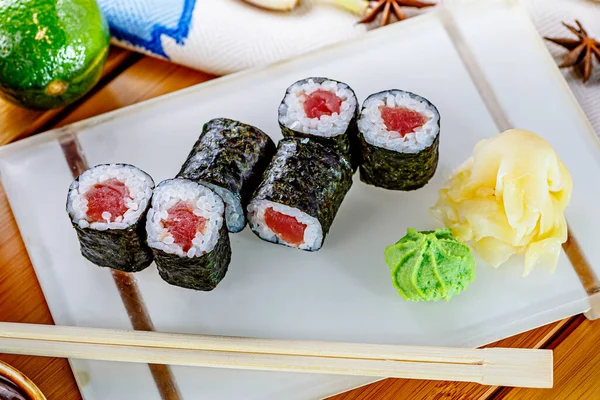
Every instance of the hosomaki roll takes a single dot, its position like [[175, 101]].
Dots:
[[107, 205], [399, 139], [230, 158], [188, 234], [301, 192], [322, 109]]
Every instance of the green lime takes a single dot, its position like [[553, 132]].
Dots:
[[51, 51]]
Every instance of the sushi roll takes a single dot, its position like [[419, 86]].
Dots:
[[300, 195], [107, 205], [230, 158], [187, 232], [399, 135], [322, 109]]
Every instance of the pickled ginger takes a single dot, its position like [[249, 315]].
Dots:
[[509, 198]]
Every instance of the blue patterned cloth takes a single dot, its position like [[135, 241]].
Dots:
[[141, 23]]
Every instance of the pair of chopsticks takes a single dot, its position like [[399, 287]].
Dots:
[[489, 366]]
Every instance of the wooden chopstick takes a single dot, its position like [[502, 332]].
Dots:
[[490, 366], [238, 344]]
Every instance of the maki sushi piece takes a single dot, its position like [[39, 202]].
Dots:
[[322, 109], [107, 205], [399, 135], [187, 232], [230, 158], [300, 195]]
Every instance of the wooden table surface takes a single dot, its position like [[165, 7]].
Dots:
[[130, 78]]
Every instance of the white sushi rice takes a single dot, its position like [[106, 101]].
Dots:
[[206, 203], [313, 234], [137, 182], [371, 124], [234, 212], [292, 115]]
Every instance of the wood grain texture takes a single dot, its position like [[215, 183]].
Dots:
[[576, 368], [131, 79]]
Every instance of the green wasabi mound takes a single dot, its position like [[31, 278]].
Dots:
[[430, 265]]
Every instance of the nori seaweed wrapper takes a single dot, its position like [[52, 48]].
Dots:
[[309, 176], [347, 143], [398, 171], [394, 170], [122, 249], [231, 155], [199, 273]]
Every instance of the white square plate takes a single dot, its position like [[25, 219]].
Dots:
[[343, 292]]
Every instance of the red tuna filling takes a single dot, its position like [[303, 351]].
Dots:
[[108, 196], [321, 102], [183, 224], [401, 119], [286, 227]]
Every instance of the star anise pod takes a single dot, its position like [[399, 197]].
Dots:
[[391, 6], [581, 50]]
